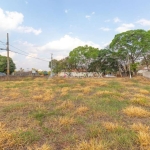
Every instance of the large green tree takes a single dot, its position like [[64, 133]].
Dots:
[[105, 62], [60, 65], [82, 56], [3, 64], [135, 43]]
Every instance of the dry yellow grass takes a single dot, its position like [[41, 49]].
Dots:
[[93, 144], [144, 139], [139, 95], [38, 97], [61, 81], [81, 110], [87, 89], [140, 127], [102, 83], [100, 93], [133, 111], [43, 147], [110, 126], [66, 121], [55, 114], [14, 95], [64, 91], [66, 105], [140, 101], [79, 95], [143, 135], [7, 138], [144, 91], [48, 96]]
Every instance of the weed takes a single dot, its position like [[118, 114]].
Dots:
[[93, 131], [27, 137]]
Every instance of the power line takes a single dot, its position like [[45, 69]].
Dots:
[[3, 42], [18, 49], [14, 47], [29, 56], [22, 50]]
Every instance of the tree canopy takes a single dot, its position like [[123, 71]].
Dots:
[[133, 43], [3, 64], [130, 45], [82, 56]]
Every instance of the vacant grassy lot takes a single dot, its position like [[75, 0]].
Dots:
[[75, 114]]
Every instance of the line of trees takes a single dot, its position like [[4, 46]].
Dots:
[[131, 45]]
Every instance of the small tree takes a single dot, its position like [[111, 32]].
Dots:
[[3, 64]]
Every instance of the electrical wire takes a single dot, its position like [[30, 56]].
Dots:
[[28, 56], [14, 47], [18, 49]]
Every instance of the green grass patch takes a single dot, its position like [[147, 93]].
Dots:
[[14, 107]]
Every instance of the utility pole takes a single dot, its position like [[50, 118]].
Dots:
[[51, 75], [8, 71], [129, 66], [51, 65]]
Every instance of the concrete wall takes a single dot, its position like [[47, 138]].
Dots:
[[146, 74], [79, 74]]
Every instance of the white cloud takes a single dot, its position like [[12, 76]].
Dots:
[[13, 21], [66, 11], [87, 16], [105, 29], [29, 30], [59, 57], [10, 20], [125, 27], [31, 55], [11, 54], [26, 2], [117, 20], [27, 47], [144, 22], [93, 13], [66, 43]]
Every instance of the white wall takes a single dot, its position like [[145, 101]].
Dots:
[[79, 74], [146, 74]]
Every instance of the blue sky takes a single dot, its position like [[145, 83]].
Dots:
[[42, 27]]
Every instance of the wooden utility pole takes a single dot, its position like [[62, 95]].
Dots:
[[51, 65], [51, 75], [8, 71]]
